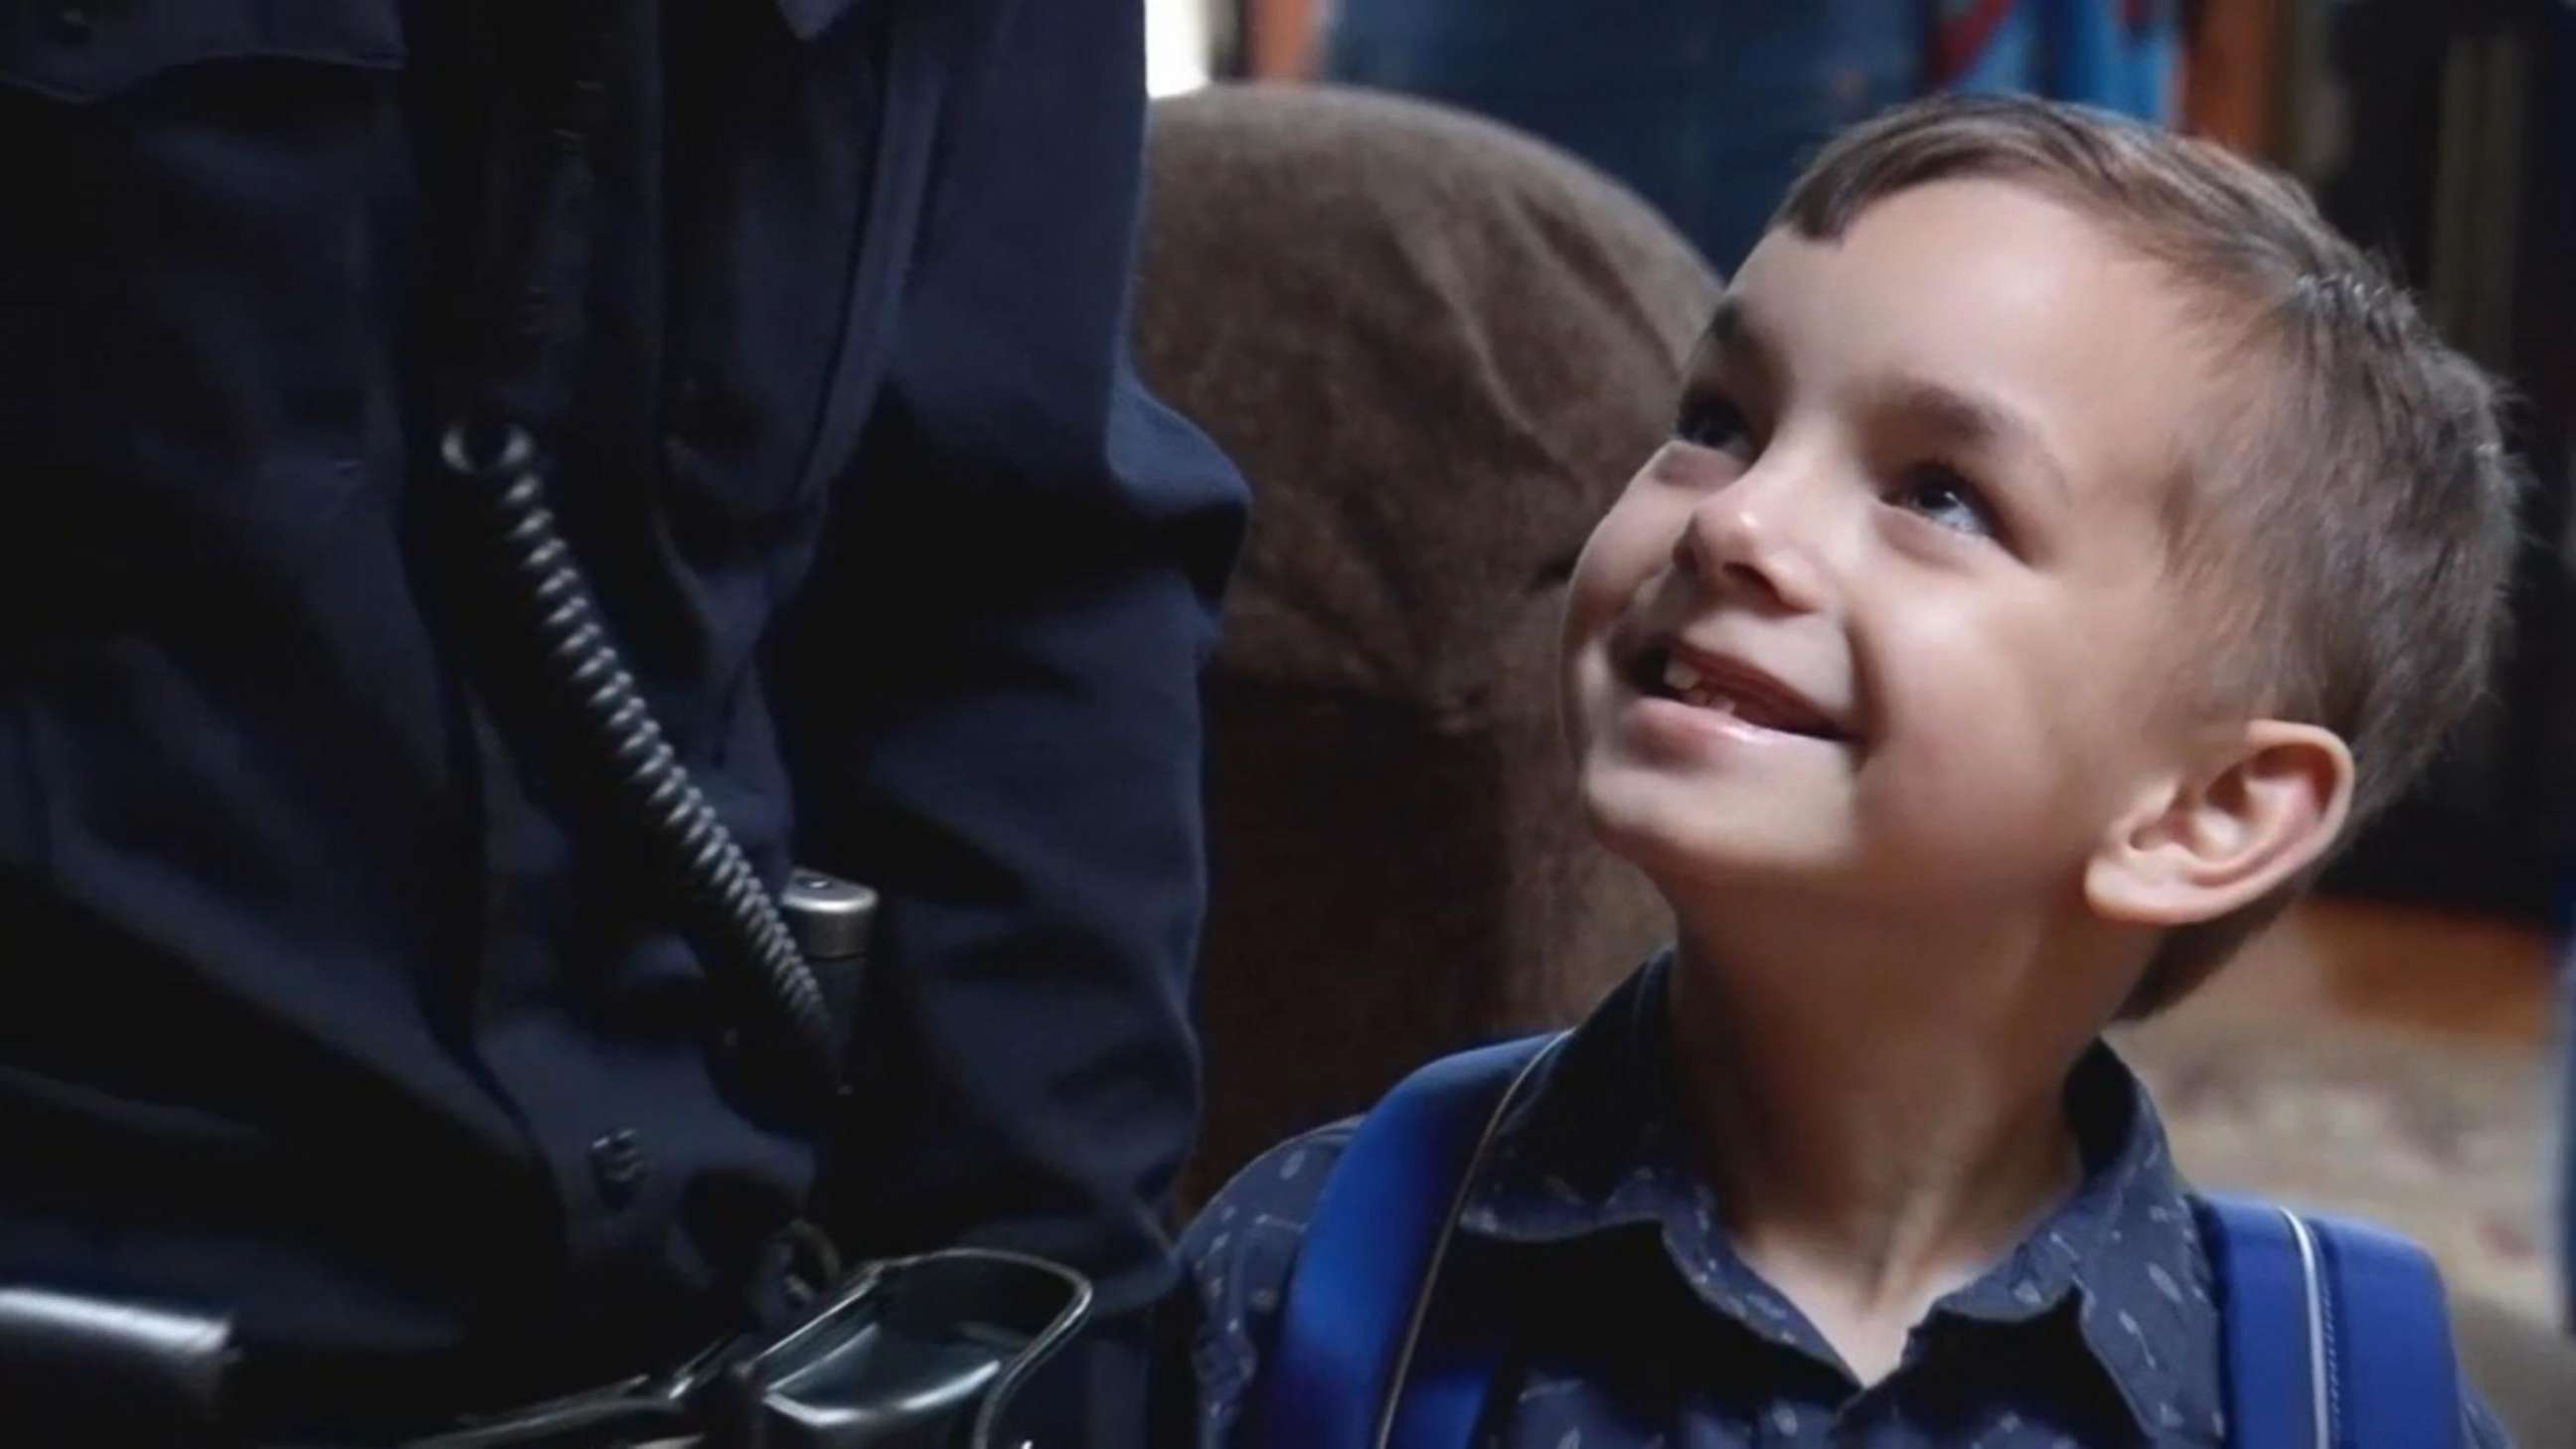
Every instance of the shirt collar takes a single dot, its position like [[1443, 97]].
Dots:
[[1596, 1144]]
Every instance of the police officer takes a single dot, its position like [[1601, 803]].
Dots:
[[333, 1002]]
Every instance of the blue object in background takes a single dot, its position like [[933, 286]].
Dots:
[[1706, 109], [2121, 55], [1709, 109]]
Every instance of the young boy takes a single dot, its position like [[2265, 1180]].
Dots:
[[2064, 538]]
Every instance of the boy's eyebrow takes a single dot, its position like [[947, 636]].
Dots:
[[1731, 332], [1966, 421], [1972, 423]]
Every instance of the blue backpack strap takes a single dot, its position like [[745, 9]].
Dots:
[[1356, 1296], [2264, 1284], [2338, 1335], [2397, 1375]]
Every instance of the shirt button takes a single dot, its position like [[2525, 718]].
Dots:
[[619, 1165]]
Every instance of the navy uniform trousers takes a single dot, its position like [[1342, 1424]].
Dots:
[[324, 999]]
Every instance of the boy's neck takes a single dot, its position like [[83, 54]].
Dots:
[[1881, 1113]]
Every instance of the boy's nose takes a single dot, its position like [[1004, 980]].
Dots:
[[1746, 542]]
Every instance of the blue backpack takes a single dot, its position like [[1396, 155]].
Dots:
[[2338, 1336]]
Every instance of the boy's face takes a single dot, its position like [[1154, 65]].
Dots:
[[1889, 621]]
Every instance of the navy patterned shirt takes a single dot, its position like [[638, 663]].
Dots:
[[1635, 1323]]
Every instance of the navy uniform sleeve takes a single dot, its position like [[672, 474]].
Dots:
[[1239, 1254], [990, 691]]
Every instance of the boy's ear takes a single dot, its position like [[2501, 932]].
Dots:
[[2197, 849]]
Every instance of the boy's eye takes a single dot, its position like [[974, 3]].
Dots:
[[1942, 495], [1710, 421]]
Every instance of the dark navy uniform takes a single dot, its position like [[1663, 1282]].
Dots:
[[323, 998]]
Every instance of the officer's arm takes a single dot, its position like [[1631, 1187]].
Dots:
[[992, 696]]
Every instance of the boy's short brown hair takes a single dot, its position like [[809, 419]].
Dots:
[[2351, 526]]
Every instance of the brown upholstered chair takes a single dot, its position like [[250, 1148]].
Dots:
[[1437, 349]]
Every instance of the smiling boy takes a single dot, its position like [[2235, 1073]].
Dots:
[[2064, 538]]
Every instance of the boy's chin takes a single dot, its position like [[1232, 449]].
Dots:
[[1694, 860], [1707, 862]]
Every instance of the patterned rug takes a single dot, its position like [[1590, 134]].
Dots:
[[2445, 1140]]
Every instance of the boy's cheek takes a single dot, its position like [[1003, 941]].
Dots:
[[1997, 800], [1593, 606], [1621, 559]]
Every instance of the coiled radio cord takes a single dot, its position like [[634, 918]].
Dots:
[[735, 924]]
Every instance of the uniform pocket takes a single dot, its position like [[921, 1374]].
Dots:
[[195, 361], [88, 50]]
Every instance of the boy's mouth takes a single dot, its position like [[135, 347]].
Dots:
[[1668, 670]]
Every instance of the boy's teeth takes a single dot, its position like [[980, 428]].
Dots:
[[1687, 686]]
